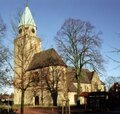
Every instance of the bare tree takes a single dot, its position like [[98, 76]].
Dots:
[[115, 51], [2, 28], [80, 46], [111, 80], [4, 55], [2, 33], [51, 80]]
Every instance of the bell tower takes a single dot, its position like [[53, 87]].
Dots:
[[26, 44]]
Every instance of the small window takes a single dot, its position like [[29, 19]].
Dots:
[[33, 30], [116, 90], [20, 31]]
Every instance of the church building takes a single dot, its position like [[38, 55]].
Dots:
[[29, 56], [38, 74]]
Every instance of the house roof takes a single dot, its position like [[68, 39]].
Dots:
[[27, 18], [45, 59]]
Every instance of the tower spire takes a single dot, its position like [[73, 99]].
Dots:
[[27, 18]]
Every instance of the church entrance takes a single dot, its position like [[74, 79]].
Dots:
[[37, 100]]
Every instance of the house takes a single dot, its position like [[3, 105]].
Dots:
[[114, 96], [115, 87], [6, 99], [36, 70]]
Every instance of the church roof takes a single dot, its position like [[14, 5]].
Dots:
[[85, 78], [27, 18], [45, 59]]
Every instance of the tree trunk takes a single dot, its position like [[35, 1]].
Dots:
[[22, 102], [54, 96], [78, 91]]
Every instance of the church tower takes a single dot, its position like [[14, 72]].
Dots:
[[26, 44]]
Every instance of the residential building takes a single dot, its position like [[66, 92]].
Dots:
[[114, 96], [115, 87]]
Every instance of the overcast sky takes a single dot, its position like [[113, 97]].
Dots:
[[49, 16]]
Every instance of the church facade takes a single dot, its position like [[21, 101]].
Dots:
[[32, 66]]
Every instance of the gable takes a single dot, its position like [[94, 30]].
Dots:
[[95, 78]]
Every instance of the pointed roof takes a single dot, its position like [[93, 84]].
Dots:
[[45, 59], [27, 18]]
